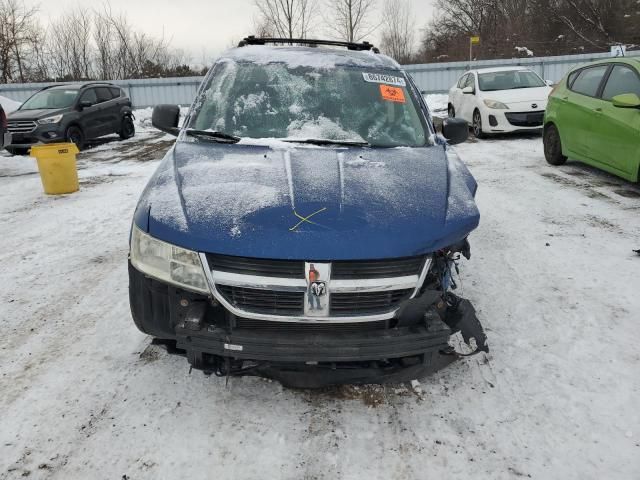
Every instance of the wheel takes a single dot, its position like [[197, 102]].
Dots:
[[477, 125], [128, 129], [553, 146], [451, 111], [74, 135]]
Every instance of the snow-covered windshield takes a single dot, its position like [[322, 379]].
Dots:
[[509, 80], [302, 102], [51, 99]]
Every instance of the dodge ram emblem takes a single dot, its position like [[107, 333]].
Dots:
[[317, 301]]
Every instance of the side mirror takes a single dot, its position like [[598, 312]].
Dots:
[[85, 104], [468, 91], [550, 83], [455, 130], [626, 100], [166, 118]]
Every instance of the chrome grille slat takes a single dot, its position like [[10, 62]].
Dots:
[[279, 291], [20, 126]]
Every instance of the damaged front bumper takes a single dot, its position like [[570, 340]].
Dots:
[[414, 345]]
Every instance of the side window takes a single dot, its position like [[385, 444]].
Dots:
[[471, 81], [462, 81], [572, 78], [89, 96], [104, 94], [115, 91], [622, 80], [588, 80]]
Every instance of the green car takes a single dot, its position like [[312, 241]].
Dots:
[[593, 115]]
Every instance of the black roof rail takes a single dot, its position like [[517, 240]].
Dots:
[[82, 85], [96, 83], [361, 47]]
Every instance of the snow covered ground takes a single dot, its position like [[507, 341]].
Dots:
[[83, 394]]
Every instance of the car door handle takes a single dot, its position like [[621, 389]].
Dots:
[[597, 110]]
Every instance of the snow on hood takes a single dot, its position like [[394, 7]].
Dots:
[[9, 105], [245, 200], [518, 95]]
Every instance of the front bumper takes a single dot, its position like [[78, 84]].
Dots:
[[508, 121], [296, 354], [42, 134]]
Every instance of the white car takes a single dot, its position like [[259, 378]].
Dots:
[[499, 100]]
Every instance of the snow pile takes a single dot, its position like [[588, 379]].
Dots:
[[143, 119], [9, 105]]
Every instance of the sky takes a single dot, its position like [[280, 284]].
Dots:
[[203, 28]]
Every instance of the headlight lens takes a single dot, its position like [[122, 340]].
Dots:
[[50, 120], [167, 262], [495, 104]]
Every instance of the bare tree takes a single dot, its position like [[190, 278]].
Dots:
[[17, 26], [398, 30], [350, 20], [286, 18], [70, 47]]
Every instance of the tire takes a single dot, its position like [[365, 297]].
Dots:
[[128, 129], [553, 146], [451, 111], [74, 135], [476, 125], [17, 151]]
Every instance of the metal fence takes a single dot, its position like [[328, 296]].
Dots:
[[431, 78], [146, 92], [440, 77]]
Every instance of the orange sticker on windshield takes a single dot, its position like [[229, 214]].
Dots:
[[392, 94]]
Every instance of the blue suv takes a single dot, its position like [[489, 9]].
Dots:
[[306, 224]]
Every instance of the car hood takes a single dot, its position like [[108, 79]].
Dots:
[[309, 202], [519, 95], [33, 114]]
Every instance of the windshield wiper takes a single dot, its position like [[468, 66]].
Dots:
[[326, 141], [212, 135]]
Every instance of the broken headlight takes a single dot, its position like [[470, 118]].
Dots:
[[166, 262]]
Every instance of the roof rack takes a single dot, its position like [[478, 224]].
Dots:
[[361, 47], [82, 85], [96, 83]]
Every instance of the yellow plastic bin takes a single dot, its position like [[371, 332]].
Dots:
[[57, 166]]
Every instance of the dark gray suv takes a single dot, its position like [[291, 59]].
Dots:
[[71, 112]]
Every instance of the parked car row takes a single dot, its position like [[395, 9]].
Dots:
[[591, 115], [70, 112]]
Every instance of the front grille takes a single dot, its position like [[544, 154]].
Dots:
[[525, 119], [19, 126], [264, 301], [309, 328], [366, 302], [398, 267], [256, 266]]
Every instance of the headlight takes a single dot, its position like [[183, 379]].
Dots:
[[495, 104], [167, 262], [49, 120]]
